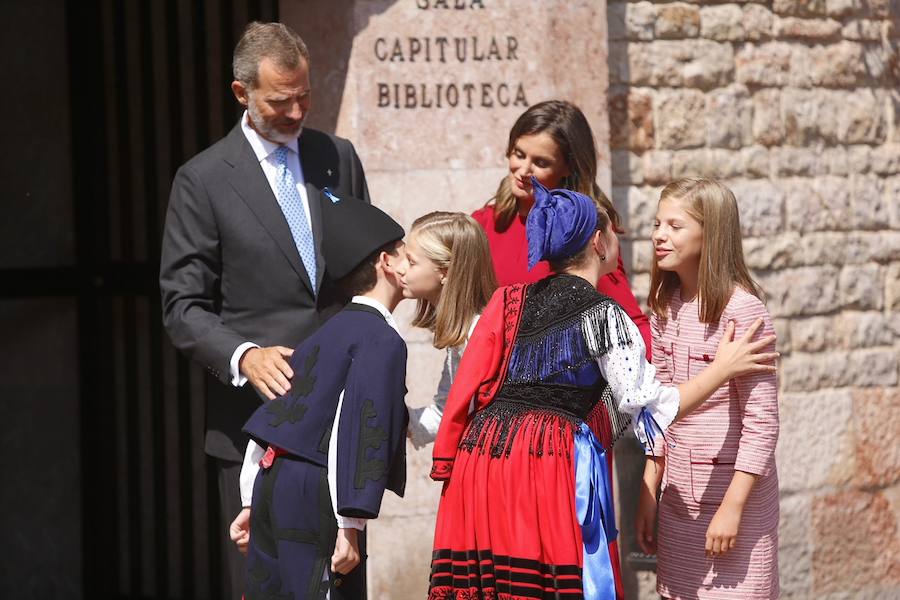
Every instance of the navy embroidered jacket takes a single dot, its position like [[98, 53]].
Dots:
[[357, 354]]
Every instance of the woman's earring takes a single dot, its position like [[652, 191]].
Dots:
[[603, 257]]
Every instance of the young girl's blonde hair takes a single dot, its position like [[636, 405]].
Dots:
[[722, 265], [455, 243]]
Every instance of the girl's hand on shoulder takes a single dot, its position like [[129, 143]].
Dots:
[[743, 356], [721, 536]]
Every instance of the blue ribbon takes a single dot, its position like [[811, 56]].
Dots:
[[651, 428], [594, 507]]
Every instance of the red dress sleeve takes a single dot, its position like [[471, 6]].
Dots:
[[480, 362], [616, 286]]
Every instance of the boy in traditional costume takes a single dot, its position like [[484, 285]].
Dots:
[[337, 440]]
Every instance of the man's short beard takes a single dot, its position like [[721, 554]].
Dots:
[[268, 131]]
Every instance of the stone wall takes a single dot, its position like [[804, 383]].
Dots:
[[795, 104]]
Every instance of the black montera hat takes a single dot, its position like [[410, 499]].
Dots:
[[351, 231]]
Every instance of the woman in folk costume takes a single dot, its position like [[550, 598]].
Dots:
[[556, 371]]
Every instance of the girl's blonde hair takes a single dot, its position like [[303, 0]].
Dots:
[[455, 243], [569, 128], [722, 265]]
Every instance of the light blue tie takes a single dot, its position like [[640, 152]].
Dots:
[[292, 207]]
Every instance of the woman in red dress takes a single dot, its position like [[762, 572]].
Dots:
[[552, 142]]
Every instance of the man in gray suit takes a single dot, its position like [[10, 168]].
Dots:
[[242, 276]]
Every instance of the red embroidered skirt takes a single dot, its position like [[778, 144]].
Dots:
[[507, 527]]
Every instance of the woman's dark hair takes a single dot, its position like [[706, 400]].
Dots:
[[568, 127]]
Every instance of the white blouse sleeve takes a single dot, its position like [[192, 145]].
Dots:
[[632, 379], [249, 470]]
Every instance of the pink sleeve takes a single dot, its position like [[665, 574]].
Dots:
[[758, 394]]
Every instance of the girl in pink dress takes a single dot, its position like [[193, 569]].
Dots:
[[718, 510]]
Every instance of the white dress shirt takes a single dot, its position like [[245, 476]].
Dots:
[[265, 154]]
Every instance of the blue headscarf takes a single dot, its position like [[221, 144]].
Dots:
[[560, 223]]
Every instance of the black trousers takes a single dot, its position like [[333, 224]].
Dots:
[[232, 561]]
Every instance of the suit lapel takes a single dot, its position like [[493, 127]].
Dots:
[[249, 181], [315, 199]]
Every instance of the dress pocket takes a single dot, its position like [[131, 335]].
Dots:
[[665, 364], [700, 357], [710, 476]]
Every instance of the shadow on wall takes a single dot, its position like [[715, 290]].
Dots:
[[328, 27]]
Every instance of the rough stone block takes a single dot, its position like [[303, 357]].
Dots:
[[841, 8], [867, 202], [877, 417], [755, 161], [772, 251], [693, 163], [801, 291], [862, 287], [627, 168], [677, 20], [862, 30], [681, 119], [801, 8], [657, 167], [789, 161], [813, 334], [803, 372], [768, 125], [847, 330], [665, 63], [863, 521], [723, 23], [859, 159], [729, 113], [820, 204], [638, 209], [835, 160], [767, 65], [886, 159], [867, 246], [630, 119], [812, 116], [891, 193], [813, 453], [861, 119], [795, 546], [761, 204], [892, 288], [806, 29], [631, 20], [834, 65], [725, 164], [405, 576], [757, 22], [880, 61]]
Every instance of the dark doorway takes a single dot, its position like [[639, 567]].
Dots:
[[102, 420]]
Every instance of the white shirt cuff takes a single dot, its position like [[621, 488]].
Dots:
[[249, 470], [423, 425], [237, 380], [350, 523]]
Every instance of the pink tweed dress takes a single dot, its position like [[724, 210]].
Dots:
[[736, 429]]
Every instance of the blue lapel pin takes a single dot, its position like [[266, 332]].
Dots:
[[327, 192]]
